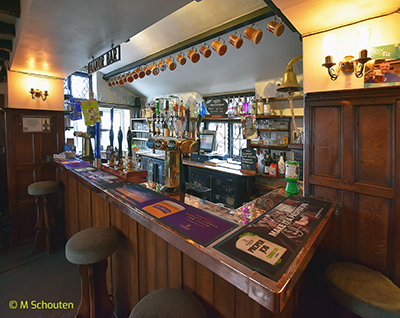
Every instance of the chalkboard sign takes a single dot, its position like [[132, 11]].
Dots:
[[217, 107], [249, 160]]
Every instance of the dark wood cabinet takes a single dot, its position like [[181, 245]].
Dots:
[[226, 188], [352, 154]]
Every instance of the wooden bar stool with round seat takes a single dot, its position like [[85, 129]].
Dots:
[[44, 220], [169, 303], [90, 249], [363, 291]]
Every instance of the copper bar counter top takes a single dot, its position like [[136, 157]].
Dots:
[[270, 294]]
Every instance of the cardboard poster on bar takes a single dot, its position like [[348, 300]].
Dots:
[[202, 227], [270, 243]]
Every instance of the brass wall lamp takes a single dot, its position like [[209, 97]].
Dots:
[[348, 64], [38, 94]]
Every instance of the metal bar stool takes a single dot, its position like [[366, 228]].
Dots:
[[363, 291], [44, 220], [169, 303], [90, 249]]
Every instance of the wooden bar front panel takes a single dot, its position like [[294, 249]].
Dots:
[[145, 262]]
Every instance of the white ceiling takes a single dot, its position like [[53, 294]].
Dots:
[[59, 37], [310, 16]]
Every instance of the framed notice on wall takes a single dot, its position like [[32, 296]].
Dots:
[[36, 124]]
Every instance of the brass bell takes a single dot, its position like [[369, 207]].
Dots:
[[290, 83]]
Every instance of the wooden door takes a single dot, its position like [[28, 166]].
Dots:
[[352, 155], [28, 155]]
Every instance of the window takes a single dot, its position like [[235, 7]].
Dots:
[[121, 119], [229, 138], [78, 85]]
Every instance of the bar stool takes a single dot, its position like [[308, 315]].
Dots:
[[363, 291], [90, 249], [44, 220], [169, 303]]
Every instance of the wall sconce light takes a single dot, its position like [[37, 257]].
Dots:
[[349, 64], [38, 94]]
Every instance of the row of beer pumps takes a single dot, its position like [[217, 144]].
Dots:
[[169, 128], [168, 117]]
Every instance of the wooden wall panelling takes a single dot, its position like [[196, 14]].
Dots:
[[331, 241], [372, 233], [374, 149], [348, 227], [26, 163], [326, 155], [395, 217], [368, 228]]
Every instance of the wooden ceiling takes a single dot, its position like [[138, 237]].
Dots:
[[9, 11]]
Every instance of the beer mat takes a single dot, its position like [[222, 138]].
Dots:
[[100, 178], [197, 225], [270, 243]]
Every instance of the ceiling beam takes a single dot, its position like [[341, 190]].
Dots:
[[7, 29], [4, 56], [6, 45], [11, 7], [230, 26]]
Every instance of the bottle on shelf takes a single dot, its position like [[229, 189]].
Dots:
[[259, 161], [267, 161], [254, 106], [281, 165], [240, 106], [236, 105], [231, 109], [260, 106], [245, 107], [267, 107]]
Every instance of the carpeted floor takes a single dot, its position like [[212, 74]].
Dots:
[[38, 281]]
